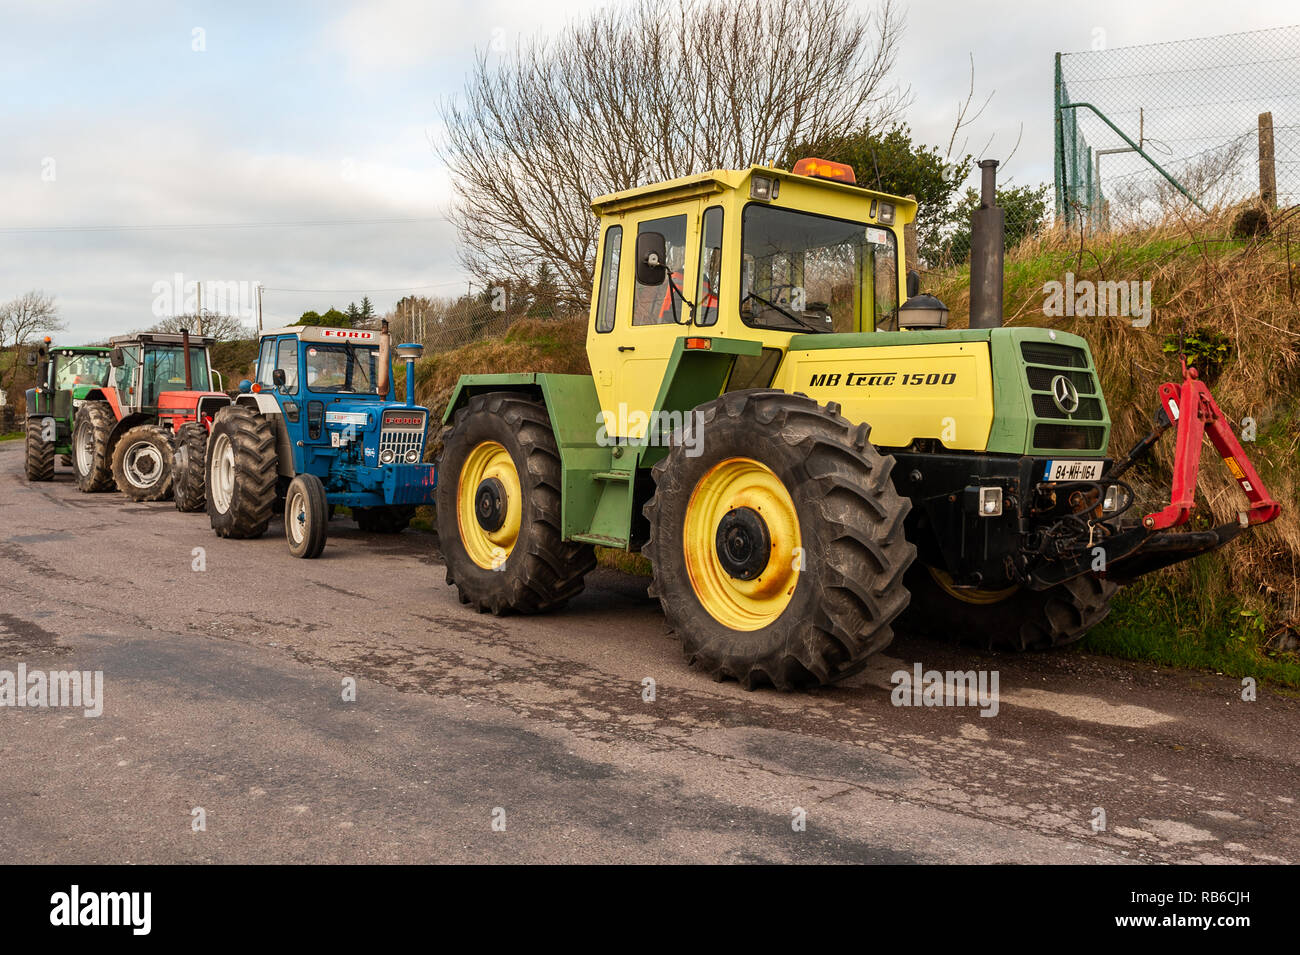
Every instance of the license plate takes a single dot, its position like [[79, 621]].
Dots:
[[1073, 470]]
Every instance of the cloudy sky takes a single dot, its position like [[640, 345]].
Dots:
[[138, 140]]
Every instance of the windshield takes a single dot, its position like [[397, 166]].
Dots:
[[164, 370], [802, 272], [74, 369], [348, 368]]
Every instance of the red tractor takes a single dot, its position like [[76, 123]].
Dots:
[[127, 432]]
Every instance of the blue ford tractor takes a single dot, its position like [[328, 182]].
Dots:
[[319, 427]]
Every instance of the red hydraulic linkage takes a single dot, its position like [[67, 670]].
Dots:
[[1192, 406]]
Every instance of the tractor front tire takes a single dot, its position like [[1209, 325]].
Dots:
[[306, 516], [1016, 619], [40, 453], [777, 541], [498, 508], [142, 463], [90, 430], [189, 468], [392, 519], [241, 472]]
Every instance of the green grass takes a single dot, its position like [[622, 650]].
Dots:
[[1154, 622], [14, 436]]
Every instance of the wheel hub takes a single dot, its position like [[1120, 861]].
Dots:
[[743, 543], [490, 504]]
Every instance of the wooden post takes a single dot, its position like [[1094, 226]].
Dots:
[[1267, 170]]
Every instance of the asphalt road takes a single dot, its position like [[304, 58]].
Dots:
[[474, 738]]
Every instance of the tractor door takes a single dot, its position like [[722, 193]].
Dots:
[[636, 325]]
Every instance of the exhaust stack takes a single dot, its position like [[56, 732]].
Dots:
[[987, 247], [185, 357], [384, 378]]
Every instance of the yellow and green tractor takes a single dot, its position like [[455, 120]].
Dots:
[[787, 428]]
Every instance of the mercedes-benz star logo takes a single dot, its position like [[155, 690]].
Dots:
[[1065, 394]]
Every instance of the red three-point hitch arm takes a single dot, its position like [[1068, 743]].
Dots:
[[1193, 408]]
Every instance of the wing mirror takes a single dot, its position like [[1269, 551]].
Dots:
[[279, 379], [116, 358], [651, 258]]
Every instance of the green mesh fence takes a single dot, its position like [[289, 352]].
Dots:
[[1143, 128]]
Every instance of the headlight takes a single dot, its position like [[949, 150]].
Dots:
[[1113, 499], [387, 456], [764, 189], [413, 456]]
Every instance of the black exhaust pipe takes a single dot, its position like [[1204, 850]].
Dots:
[[987, 245]]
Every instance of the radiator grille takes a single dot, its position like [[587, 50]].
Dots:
[[1057, 429], [402, 431]]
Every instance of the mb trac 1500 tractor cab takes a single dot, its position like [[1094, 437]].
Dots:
[[319, 427], [791, 434], [65, 375], [124, 430]]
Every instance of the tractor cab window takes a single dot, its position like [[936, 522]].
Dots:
[[266, 363], [706, 291], [802, 272], [660, 304], [73, 370], [286, 360], [164, 370], [341, 368], [124, 377]]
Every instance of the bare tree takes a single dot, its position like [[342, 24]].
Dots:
[[223, 328], [21, 320], [645, 92]]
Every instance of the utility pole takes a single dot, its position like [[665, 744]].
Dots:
[[199, 285], [259, 309]]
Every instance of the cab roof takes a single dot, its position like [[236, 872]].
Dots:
[[161, 338], [322, 333], [717, 181]]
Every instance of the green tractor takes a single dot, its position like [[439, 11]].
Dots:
[[65, 375], [785, 426]]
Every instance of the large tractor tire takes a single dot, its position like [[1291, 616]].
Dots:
[[241, 472], [1013, 619], [40, 453], [306, 516], [498, 504], [90, 430], [189, 468], [778, 549], [384, 520], [142, 463]]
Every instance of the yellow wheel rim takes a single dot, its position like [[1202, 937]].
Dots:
[[737, 603], [969, 595], [489, 469]]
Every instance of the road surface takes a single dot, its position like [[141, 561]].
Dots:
[[225, 735]]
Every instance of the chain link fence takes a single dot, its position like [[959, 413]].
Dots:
[[1210, 122]]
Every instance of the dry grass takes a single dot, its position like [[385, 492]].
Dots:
[[1203, 280]]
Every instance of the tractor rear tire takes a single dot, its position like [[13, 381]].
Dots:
[[306, 516], [1017, 620], [90, 430], [189, 468], [241, 472], [40, 453], [142, 463], [392, 519], [510, 557], [777, 541]]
